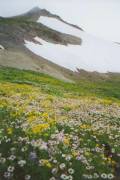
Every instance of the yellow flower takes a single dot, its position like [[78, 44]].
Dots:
[[66, 141], [48, 165], [32, 116], [45, 162], [3, 103], [75, 153], [109, 160], [9, 130], [113, 163], [97, 145], [39, 128], [85, 126], [45, 115]]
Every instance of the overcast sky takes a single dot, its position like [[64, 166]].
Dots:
[[98, 17]]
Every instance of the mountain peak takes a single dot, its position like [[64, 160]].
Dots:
[[35, 10], [33, 14]]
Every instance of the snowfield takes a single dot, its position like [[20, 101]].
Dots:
[[94, 54], [59, 26]]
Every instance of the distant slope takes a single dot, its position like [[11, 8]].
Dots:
[[86, 87]]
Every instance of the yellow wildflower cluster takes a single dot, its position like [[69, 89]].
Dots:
[[40, 128], [85, 126], [32, 116], [45, 115], [3, 103]]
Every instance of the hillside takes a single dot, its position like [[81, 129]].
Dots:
[[13, 32], [59, 103], [54, 130]]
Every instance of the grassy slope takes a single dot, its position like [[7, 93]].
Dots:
[[109, 89], [83, 118]]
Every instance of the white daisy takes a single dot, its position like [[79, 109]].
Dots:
[[11, 168], [110, 176], [21, 163], [104, 176], [62, 166], [71, 171], [27, 177]]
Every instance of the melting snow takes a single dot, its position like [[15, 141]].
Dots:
[[1, 47], [93, 55], [59, 26], [70, 56]]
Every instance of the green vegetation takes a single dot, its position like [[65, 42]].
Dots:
[[52, 130], [109, 89]]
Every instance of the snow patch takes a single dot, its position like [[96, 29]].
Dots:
[[98, 54], [93, 55], [59, 26], [1, 47]]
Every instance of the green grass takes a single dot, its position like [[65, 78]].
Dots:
[[102, 89]]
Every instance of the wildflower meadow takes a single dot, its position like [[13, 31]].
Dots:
[[46, 135]]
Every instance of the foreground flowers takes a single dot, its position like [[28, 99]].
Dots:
[[47, 138]]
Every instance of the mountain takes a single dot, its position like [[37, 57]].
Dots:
[[13, 32], [41, 41], [51, 129]]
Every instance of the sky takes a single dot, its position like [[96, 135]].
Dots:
[[100, 18]]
